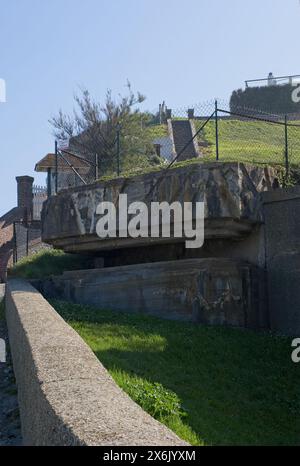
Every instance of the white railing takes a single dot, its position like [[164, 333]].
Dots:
[[39, 196]]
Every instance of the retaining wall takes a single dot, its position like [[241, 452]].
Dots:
[[66, 396], [230, 192], [212, 291], [282, 232]]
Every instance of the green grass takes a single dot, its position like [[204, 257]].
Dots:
[[184, 163], [255, 142], [46, 263], [157, 131], [211, 385], [250, 141], [138, 170]]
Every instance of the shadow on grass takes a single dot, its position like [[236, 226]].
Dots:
[[237, 387]]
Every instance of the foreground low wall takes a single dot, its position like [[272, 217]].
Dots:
[[66, 396]]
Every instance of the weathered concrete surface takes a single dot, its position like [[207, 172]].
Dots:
[[207, 291], [230, 192], [251, 249], [2, 291], [10, 429], [66, 396], [282, 226]]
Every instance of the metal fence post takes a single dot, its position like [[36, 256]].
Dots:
[[15, 250], [49, 190], [27, 240], [286, 151], [217, 130], [96, 167], [118, 148], [56, 168]]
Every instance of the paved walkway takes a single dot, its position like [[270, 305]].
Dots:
[[10, 432]]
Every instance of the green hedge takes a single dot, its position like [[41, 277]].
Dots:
[[275, 99]]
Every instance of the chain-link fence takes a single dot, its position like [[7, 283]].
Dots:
[[212, 131], [27, 240]]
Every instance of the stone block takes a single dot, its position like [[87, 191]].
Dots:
[[207, 291]]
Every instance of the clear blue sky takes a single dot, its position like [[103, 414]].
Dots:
[[183, 52]]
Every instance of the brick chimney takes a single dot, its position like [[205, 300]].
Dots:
[[25, 196]]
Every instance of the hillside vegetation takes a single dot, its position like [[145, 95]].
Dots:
[[250, 141], [211, 385], [254, 142], [48, 262]]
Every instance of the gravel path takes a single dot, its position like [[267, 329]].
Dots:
[[10, 431]]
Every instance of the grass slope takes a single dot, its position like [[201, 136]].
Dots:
[[212, 386], [48, 262], [250, 141]]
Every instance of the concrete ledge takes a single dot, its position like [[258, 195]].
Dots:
[[211, 291], [66, 396], [282, 224], [230, 192], [281, 195]]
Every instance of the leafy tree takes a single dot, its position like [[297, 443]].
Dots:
[[92, 130]]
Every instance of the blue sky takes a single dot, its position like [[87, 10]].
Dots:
[[183, 52]]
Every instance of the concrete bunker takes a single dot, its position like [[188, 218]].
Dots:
[[221, 283]]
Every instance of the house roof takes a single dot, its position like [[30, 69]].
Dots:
[[64, 163]]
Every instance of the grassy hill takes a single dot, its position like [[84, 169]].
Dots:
[[250, 141], [245, 140], [255, 142], [211, 385], [48, 262]]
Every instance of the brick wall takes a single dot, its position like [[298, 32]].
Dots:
[[6, 249], [23, 212]]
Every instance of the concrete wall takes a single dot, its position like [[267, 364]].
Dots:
[[208, 291], [66, 396], [230, 192], [251, 249], [282, 234]]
